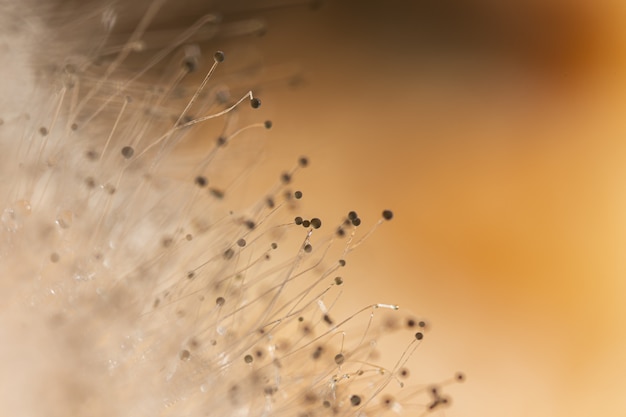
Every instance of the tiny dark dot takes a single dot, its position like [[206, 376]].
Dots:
[[404, 373], [340, 232], [338, 280], [250, 224], [387, 401], [229, 253], [355, 400], [200, 181], [410, 323], [460, 376], [356, 222], [306, 223], [285, 178], [189, 237], [90, 182], [300, 319], [298, 220], [43, 131], [326, 404], [387, 215], [270, 202], [274, 245], [339, 359], [184, 355], [219, 194], [342, 262], [352, 215], [191, 275], [310, 398], [268, 124], [128, 152], [308, 248], [91, 155], [327, 319], [190, 63], [419, 335], [255, 103], [219, 56], [241, 242], [248, 358], [317, 352], [298, 195], [316, 223], [422, 324], [221, 141], [303, 161], [219, 301]]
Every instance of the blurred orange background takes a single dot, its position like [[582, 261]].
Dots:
[[495, 131]]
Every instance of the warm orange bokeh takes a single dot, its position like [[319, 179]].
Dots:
[[497, 136]]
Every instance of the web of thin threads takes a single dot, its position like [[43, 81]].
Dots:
[[156, 278]]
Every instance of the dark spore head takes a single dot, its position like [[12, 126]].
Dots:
[[128, 152], [200, 181], [285, 178], [219, 56]]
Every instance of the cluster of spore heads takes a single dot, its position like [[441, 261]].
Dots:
[[148, 266]]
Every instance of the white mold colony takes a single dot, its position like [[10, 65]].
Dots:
[[131, 286]]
